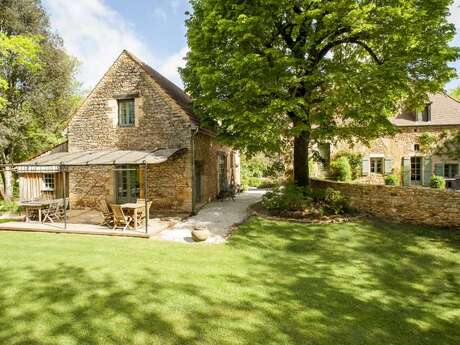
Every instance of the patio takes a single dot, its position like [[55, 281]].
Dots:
[[87, 221]]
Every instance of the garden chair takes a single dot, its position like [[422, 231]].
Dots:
[[53, 213], [120, 219], [141, 214], [106, 213]]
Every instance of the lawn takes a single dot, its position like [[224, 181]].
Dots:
[[272, 283]]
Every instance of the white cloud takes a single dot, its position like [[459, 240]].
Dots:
[[170, 67], [95, 34]]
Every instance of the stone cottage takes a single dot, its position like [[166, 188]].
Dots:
[[133, 120], [406, 154]]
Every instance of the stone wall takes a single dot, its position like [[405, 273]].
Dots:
[[418, 205]]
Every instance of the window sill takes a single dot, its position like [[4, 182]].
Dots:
[[47, 190], [126, 126]]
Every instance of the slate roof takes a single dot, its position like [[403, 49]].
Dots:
[[444, 111]]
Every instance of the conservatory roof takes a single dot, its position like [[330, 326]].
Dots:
[[96, 157]]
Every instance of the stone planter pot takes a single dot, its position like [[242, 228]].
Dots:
[[200, 233]]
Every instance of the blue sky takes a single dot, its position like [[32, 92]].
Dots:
[[96, 31]]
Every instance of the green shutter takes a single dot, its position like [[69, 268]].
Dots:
[[427, 170], [388, 165], [439, 169], [365, 166], [406, 171]]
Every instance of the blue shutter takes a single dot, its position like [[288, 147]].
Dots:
[[365, 166], [388, 166], [439, 169], [427, 170], [406, 171]]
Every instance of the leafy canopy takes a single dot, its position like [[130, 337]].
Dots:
[[265, 71]]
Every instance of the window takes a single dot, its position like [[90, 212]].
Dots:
[[126, 112], [417, 148], [127, 183], [426, 114], [48, 180], [377, 165], [450, 170]]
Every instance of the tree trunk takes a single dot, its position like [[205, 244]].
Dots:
[[301, 173], [8, 184]]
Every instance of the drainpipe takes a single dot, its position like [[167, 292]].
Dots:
[[194, 129]]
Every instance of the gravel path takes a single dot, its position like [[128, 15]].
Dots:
[[219, 216]]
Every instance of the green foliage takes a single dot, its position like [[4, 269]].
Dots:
[[294, 198], [42, 91], [355, 160], [455, 93], [289, 198], [329, 199], [8, 207], [428, 142], [437, 182], [340, 169], [392, 180], [264, 72]]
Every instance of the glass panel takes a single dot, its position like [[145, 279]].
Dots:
[[450, 170], [126, 112], [377, 165], [415, 169]]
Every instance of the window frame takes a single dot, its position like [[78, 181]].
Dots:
[[49, 182], [449, 167], [374, 165], [426, 113], [129, 120]]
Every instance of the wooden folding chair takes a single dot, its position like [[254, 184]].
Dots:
[[106, 213], [119, 217], [52, 213], [141, 214]]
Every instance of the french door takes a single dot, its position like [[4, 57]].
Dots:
[[416, 171], [127, 183]]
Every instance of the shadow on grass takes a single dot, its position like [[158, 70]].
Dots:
[[279, 283]]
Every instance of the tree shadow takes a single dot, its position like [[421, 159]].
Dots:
[[273, 283]]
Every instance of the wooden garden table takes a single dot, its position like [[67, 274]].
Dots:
[[134, 208], [36, 205]]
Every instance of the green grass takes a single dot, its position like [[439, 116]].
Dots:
[[273, 283]]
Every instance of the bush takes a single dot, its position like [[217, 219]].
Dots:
[[438, 182], [340, 169], [8, 207], [289, 198], [329, 199], [391, 180], [355, 160]]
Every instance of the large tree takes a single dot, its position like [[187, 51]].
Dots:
[[270, 73], [36, 102]]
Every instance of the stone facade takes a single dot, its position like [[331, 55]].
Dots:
[[426, 206], [394, 149], [160, 122]]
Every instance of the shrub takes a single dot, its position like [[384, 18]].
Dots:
[[355, 160], [289, 198], [329, 199], [438, 182], [340, 169], [391, 180], [8, 207]]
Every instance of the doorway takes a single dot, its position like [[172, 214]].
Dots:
[[127, 183], [416, 171]]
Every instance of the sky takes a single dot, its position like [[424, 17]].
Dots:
[[96, 31]]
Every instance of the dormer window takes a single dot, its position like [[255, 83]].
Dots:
[[425, 114], [126, 116]]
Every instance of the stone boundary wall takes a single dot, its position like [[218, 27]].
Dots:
[[418, 205]]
